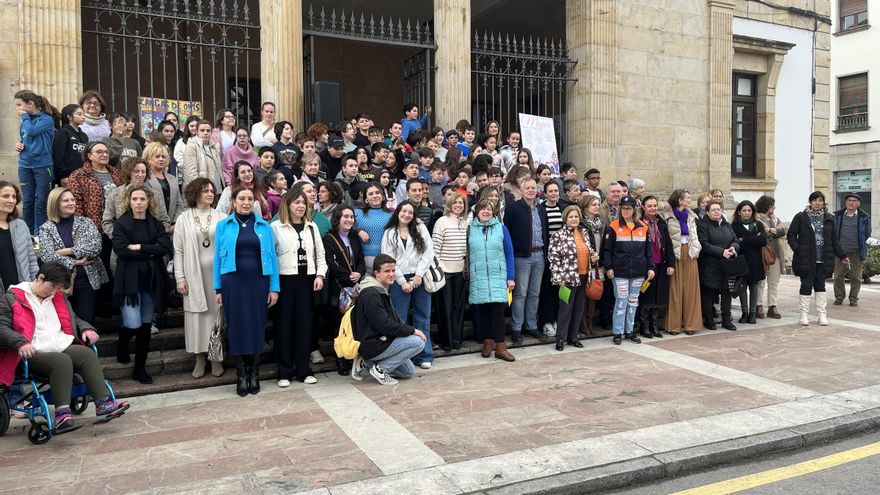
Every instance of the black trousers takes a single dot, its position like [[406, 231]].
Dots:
[[548, 299], [450, 311], [491, 321], [707, 298], [83, 301], [296, 306]]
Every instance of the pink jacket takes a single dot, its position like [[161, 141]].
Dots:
[[236, 154]]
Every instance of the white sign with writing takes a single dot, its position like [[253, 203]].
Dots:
[[539, 137], [854, 181]]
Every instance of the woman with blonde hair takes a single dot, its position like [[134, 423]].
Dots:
[[134, 172], [157, 157], [194, 270], [141, 244], [450, 248], [302, 266], [73, 241]]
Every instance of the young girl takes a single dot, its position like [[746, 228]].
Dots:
[[275, 185], [69, 142], [34, 147], [388, 184]]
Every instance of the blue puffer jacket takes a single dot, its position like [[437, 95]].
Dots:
[[864, 229], [36, 133], [491, 261]]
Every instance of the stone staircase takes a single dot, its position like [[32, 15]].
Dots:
[[171, 366]]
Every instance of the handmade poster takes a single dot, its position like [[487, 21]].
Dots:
[[152, 110], [539, 136]]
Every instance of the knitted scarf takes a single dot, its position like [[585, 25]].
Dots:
[[682, 217]]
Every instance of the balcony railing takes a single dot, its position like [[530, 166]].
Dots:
[[852, 122]]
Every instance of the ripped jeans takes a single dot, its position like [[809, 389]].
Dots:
[[626, 301]]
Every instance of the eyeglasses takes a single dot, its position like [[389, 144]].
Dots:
[[91, 103], [101, 152]]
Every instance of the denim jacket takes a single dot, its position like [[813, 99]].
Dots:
[[224, 253]]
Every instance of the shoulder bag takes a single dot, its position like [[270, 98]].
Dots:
[[595, 286], [347, 295], [434, 278]]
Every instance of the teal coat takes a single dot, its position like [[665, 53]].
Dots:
[[490, 253]]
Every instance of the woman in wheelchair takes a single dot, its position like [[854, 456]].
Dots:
[[37, 323]]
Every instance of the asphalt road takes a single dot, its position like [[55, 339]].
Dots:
[[850, 466]]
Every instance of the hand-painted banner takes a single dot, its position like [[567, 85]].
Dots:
[[153, 110]]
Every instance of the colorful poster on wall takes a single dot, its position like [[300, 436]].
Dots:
[[152, 110], [538, 135]]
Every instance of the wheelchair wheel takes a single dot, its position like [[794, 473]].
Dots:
[[4, 415], [39, 433], [79, 404]]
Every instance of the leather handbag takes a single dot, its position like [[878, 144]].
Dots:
[[735, 267], [595, 286], [768, 255]]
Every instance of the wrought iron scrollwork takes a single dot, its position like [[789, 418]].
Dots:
[[518, 74], [174, 49]]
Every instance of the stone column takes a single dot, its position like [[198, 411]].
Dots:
[[281, 59], [452, 79], [720, 91], [41, 42], [591, 33]]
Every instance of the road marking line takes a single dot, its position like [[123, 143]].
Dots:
[[390, 446], [775, 475]]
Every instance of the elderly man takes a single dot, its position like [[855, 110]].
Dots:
[[853, 228]]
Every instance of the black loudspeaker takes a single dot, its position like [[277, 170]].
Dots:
[[328, 102]]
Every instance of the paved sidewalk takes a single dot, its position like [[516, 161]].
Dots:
[[550, 422]]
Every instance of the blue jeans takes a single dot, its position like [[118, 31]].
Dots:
[[420, 300], [141, 314], [396, 359], [524, 309], [626, 301], [35, 184]]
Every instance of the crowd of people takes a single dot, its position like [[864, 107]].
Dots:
[[271, 224]]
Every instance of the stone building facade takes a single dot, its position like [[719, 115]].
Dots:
[[652, 94]]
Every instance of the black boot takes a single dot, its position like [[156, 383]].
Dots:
[[642, 323], [253, 379], [122, 354], [141, 349], [753, 318], [727, 323], [657, 322], [241, 386]]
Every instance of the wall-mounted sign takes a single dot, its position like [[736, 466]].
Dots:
[[854, 181]]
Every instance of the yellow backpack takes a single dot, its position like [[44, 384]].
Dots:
[[344, 344]]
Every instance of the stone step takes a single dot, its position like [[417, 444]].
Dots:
[[172, 370]]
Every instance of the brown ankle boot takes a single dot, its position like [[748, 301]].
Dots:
[[501, 352], [759, 313], [773, 313], [488, 346]]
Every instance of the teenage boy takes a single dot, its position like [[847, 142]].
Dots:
[[481, 178], [307, 145], [410, 122], [468, 143], [331, 155], [376, 136], [496, 176], [436, 182], [380, 154], [572, 190], [415, 195], [287, 153], [591, 183], [426, 158], [451, 139], [348, 176], [410, 172], [568, 172], [362, 137], [395, 131], [348, 132]]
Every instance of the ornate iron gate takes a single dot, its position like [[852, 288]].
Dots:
[[195, 50], [512, 76], [417, 69]]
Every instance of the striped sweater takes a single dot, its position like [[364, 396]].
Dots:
[[450, 242]]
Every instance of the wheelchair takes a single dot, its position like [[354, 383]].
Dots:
[[35, 404]]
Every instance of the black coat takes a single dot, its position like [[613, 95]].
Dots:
[[658, 292], [375, 322], [802, 241], [337, 268], [518, 220], [750, 243], [715, 238], [142, 270]]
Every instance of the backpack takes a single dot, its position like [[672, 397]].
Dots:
[[345, 344]]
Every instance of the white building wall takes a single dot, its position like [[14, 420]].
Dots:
[[794, 116]]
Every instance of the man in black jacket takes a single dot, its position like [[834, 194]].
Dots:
[[387, 344], [526, 220]]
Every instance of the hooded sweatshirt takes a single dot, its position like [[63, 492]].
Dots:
[[36, 133], [67, 148]]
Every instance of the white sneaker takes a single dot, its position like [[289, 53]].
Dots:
[[425, 365], [154, 330], [550, 329], [310, 380], [357, 369], [382, 376], [283, 383], [316, 357]]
